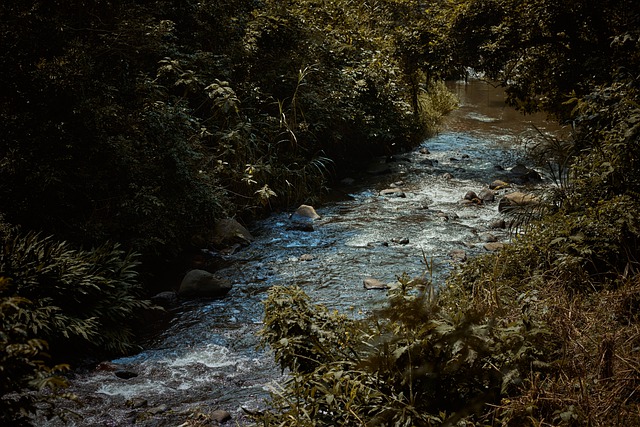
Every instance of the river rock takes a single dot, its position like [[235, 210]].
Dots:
[[471, 195], [517, 199], [494, 246], [200, 283], [347, 181], [393, 192], [371, 283], [400, 241], [220, 416], [165, 299], [498, 223], [300, 225], [229, 232], [136, 403], [425, 150], [107, 367], [303, 218], [520, 174], [378, 169], [499, 185], [306, 211], [488, 237], [471, 198], [158, 409], [458, 255], [487, 195], [125, 375], [447, 176]]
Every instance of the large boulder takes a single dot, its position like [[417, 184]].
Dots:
[[517, 199], [303, 218], [520, 174], [229, 233], [306, 211], [200, 283]]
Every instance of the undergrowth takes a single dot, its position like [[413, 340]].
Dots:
[[543, 333]]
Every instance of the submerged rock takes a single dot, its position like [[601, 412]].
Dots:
[[498, 224], [393, 192], [488, 237]]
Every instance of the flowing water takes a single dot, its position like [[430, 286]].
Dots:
[[207, 358]]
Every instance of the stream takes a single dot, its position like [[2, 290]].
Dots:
[[207, 358]]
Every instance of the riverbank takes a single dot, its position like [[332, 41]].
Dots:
[[207, 358]]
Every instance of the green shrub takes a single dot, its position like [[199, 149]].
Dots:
[[411, 364], [22, 361], [81, 300]]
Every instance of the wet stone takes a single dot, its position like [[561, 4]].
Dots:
[[494, 246], [498, 223], [487, 195], [458, 255], [125, 375], [158, 409], [371, 283], [393, 192], [470, 195], [401, 241], [220, 416], [136, 402], [488, 238], [499, 185]]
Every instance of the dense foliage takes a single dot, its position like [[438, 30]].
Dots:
[[131, 127], [562, 298], [22, 360], [413, 363], [142, 122]]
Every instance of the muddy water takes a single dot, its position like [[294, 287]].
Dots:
[[207, 358]]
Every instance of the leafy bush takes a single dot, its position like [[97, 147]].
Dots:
[[413, 363], [80, 301], [22, 361]]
